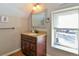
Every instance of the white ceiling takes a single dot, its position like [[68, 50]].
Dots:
[[21, 9], [11, 9], [54, 6]]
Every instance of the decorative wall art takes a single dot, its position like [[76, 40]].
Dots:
[[3, 19]]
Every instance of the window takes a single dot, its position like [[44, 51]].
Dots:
[[66, 30]]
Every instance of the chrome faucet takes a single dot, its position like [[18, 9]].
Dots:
[[33, 29]]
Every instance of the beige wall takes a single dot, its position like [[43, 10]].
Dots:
[[17, 13], [10, 38]]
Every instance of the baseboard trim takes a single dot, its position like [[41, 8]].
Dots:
[[9, 53]]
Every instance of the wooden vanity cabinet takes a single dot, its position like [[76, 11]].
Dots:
[[31, 46]]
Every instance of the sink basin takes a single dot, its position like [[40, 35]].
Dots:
[[32, 34]]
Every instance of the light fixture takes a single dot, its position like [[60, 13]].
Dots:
[[36, 8]]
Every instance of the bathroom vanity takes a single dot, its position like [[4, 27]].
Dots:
[[33, 44]]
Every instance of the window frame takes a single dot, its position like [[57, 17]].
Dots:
[[54, 31]]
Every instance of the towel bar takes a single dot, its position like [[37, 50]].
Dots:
[[8, 28]]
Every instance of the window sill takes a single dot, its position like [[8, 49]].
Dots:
[[75, 51]]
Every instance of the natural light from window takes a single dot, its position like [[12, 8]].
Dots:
[[66, 31]]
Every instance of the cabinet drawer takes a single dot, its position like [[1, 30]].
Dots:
[[29, 40], [27, 36]]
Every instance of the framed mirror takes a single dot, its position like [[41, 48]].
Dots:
[[38, 19]]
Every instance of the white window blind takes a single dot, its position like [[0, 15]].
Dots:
[[67, 19]]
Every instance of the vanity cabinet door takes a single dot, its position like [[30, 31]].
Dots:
[[33, 47], [28, 45], [25, 45]]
